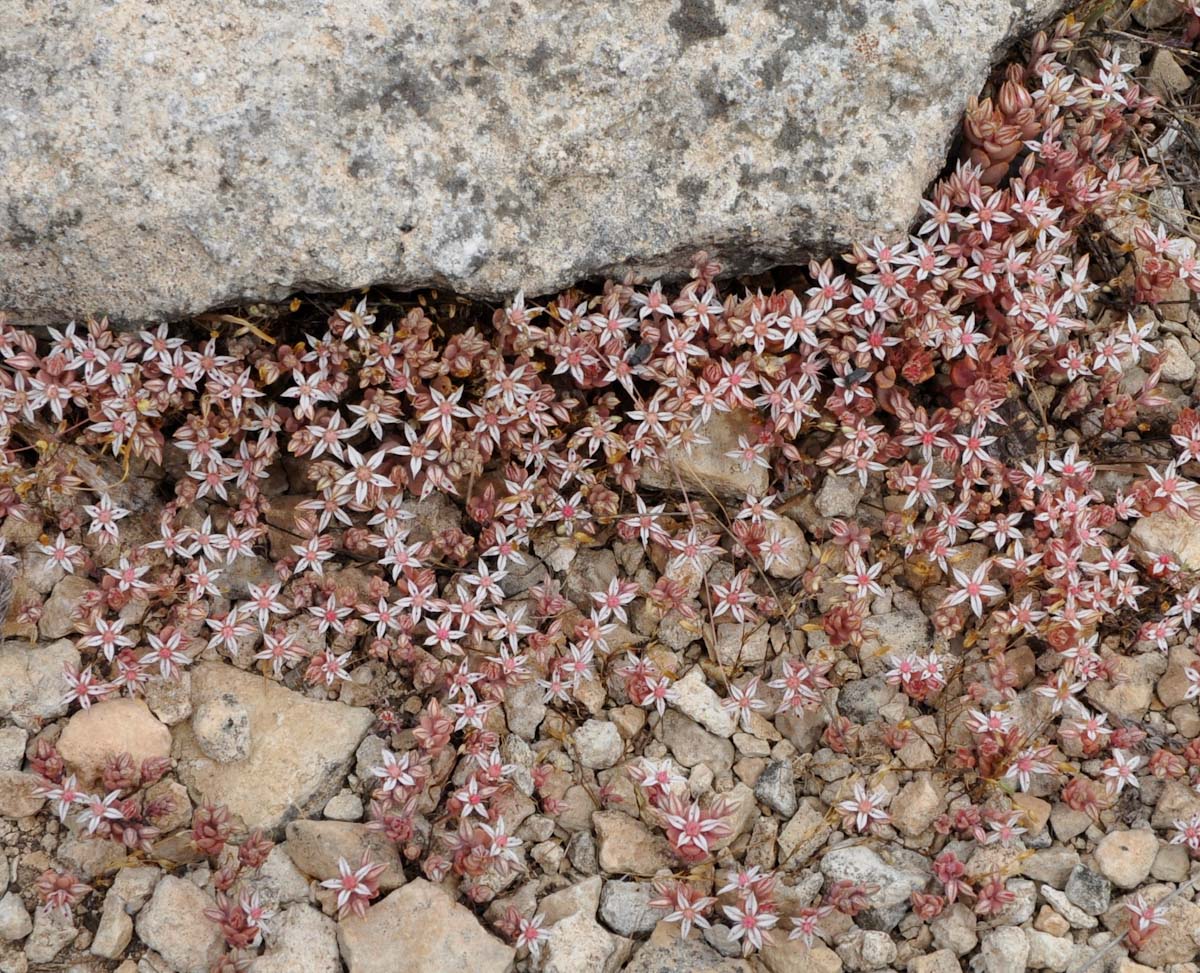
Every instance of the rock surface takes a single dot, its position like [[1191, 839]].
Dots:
[[160, 160], [301, 941], [173, 923], [31, 681], [109, 728], [422, 924], [299, 750], [315, 847]]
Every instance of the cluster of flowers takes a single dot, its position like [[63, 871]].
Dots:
[[899, 368]]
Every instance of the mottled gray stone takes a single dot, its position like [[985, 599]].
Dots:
[[162, 158]]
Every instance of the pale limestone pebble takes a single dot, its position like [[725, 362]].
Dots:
[[806, 832], [741, 817], [591, 570], [1051, 922], [782, 955], [300, 749], [316, 846], [579, 944], [1004, 950], [31, 689], [578, 814], [548, 855], [1126, 857], [173, 924], [629, 720], [693, 746], [18, 794], [1165, 533], [1018, 911], [625, 846], [1035, 812], [114, 931], [955, 929], [1171, 863], [180, 813], [301, 940], [1047, 952], [1177, 802], [917, 805], [1157, 13], [705, 469], [598, 744], [221, 726], [1173, 686], [839, 496], [581, 852], [796, 554], [862, 699], [700, 702], [39, 572], [12, 747], [344, 806], [689, 574], [15, 921], [749, 745], [878, 950], [109, 728], [582, 897], [893, 633], [422, 923], [1068, 910], [170, 699], [1131, 690], [1178, 939], [720, 937], [776, 787], [368, 756], [1067, 823], [916, 754], [741, 644], [864, 866], [624, 907], [134, 884], [591, 694], [59, 612], [53, 931], [1186, 719], [87, 857], [939, 961], [667, 953], [1177, 366], [1052, 865]]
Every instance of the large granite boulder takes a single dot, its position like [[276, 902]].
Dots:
[[157, 159]]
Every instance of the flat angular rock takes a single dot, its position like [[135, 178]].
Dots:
[[315, 847], [627, 847], [860, 864], [300, 751], [670, 954], [420, 929], [160, 159], [1164, 532], [31, 688], [705, 469], [173, 924], [302, 940]]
